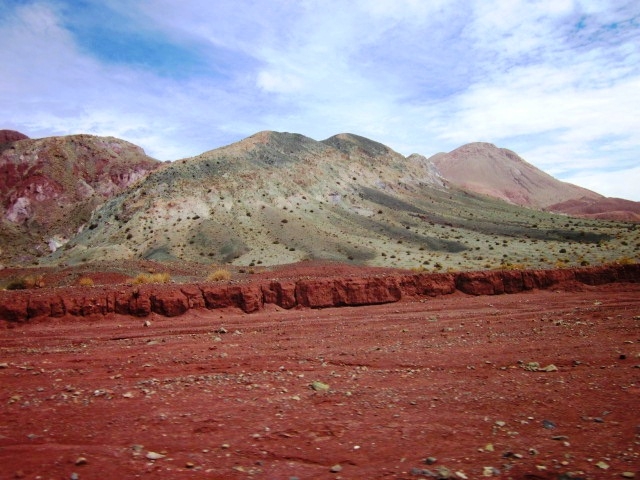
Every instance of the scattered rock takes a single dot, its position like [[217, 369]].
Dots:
[[602, 465], [443, 473], [628, 475], [535, 367], [430, 460], [146, 323], [81, 461], [336, 468], [154, 456], [490, 471], [548, 424], [319, 386]]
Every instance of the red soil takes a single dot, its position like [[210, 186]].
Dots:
[[226, 394]]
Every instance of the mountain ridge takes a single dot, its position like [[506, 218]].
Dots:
[[278, 197]]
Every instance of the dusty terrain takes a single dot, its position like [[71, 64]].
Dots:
[[542, 384]]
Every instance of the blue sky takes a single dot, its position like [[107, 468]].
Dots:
[[557, 81]]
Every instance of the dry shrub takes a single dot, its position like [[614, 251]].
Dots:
[[30, 281], [152, 278], [85, 282], [219, 275], [625, 261], [512, 266]]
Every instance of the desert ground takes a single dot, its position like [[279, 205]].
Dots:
[[542, 384]]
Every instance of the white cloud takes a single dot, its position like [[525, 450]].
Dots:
[[619, 184], [554, 80]]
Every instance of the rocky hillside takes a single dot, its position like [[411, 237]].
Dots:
[[501, 173], [277, 198], [50, 186]]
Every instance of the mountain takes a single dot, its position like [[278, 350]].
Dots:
[[606, 208], [498, 172], [50, 186], [276, 198], [10, 136]]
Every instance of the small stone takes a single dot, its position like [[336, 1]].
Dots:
[[189, 465], [628, 475], [622, 356], [548, 424], [336, 468], [602, 465], [4, 365], [128, 395], [461, 475], [490, 471], [500, 423], [598, 420], [81, 461], [443, 473], [224, 446], [549, 368], [154, 456], [489, 447], [146, 323], [319, 386], [74, 476], [430, 460]]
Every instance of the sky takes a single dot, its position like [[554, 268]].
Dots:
[[556, 81]]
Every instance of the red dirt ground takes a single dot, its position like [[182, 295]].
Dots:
[[225, 394]]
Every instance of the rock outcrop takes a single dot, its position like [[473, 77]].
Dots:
[[10, 136], [174, 300]]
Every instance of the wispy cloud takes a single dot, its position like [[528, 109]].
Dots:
[[554, 80]]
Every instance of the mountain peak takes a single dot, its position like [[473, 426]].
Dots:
[[484, 168], [350, 143], [10, 136]]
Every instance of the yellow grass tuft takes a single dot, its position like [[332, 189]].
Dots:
[[85, 282], [625, 261], [219, 275], [152, 278]]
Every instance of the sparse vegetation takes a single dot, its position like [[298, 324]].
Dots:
[[152, 278], [85, 282], [27, 282], [219, 275]]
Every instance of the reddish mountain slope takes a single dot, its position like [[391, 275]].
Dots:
[[604, 208], [498, 172], [49, 186], [10, 136]]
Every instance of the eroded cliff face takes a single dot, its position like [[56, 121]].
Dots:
[[175, 300], [50, 186]]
